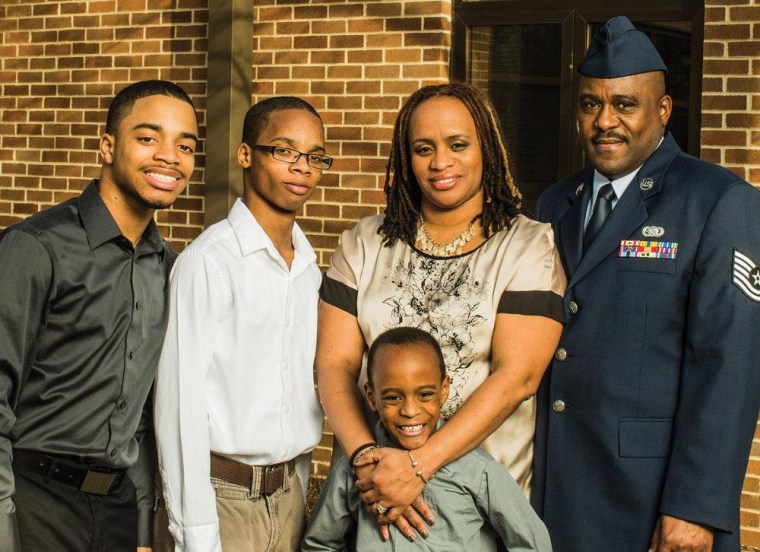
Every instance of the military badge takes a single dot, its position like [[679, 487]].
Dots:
[[643, 249], [746, 276], [653, 231], [646, 184], [579, 189]]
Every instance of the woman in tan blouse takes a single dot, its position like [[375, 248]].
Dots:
[[453, 256]]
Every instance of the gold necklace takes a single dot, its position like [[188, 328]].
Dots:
[[428, 245]]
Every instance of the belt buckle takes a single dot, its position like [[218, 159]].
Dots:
[[97, 483], [273, 479]]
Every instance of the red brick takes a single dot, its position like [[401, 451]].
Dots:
[[742, 157], [724, 103], [404, 55], [726, 66], [743, 14], [743, 120], [749, 84], [382, 72], [744, 49], [291, 88], [309, 42], [715, 14], [711, 154], [727, 31], [346, 72], [346, 41], [724, 138], [384, 9], [366, 25], [385, 40], [310, 12]]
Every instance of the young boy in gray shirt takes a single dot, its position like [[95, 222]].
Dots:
[[475, 499]]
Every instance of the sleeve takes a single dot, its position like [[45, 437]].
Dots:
[[332, 518], [719, 393], [341, 282], [142, 474], [538, 285], [181, 415], [504, 505], [26, 278]]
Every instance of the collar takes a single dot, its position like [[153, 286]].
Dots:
[[251, 236], [100, 226]]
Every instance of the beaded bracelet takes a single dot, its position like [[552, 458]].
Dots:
[[365, 451], [419, 472]]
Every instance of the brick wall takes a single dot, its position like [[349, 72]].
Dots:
[[62, 63], [730, 136]]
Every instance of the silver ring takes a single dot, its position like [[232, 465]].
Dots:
[[380, 508]]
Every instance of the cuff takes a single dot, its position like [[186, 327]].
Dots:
[[204, 538], [145, 527]]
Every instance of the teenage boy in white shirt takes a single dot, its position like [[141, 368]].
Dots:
[[235, 407]]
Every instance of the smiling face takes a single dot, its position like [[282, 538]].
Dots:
[[446, 155], [621, 121], [148, 161], [272, 185], [407, 392]]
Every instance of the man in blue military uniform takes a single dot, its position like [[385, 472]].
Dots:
[[647, 412]]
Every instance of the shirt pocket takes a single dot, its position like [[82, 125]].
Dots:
[[643, 264], [645, 437]]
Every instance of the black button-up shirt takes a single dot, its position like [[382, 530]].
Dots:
[[82, 321]]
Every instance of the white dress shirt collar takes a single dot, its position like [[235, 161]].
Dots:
[[251, 237]]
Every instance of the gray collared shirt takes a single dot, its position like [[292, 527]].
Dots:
[[474, 499], [82, 321]]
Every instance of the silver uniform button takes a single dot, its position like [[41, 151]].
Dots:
[[572, 307], [561, 354], [558, 406]]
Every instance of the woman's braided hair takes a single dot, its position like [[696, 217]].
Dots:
[[501, 198]]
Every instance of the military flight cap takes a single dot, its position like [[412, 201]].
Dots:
[[618, 49]]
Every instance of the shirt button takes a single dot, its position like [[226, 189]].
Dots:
[[558, 406], [137, 305], [561, 354], [572, 307], [122, 405], [113, 453], [130, 355]]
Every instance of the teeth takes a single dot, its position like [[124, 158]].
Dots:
[[162, 177], [417, 427]]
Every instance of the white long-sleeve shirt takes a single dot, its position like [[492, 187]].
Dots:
[[236, 370]]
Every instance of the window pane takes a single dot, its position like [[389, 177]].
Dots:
[[519, 67]]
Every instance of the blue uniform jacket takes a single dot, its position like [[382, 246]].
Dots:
[[651, 402]]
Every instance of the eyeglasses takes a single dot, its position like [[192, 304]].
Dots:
[[288, 155]]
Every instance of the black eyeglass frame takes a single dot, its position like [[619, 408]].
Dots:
[[324, 162]]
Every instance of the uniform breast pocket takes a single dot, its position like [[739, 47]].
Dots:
[[642, 264], [645, 437]]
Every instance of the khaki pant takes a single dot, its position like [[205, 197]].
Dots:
[[272, 524]]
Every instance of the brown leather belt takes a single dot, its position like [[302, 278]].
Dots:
[[261, 480]]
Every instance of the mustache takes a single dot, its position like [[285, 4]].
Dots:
[[609, 135]]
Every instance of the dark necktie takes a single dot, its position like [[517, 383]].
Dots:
[[602, 209]]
